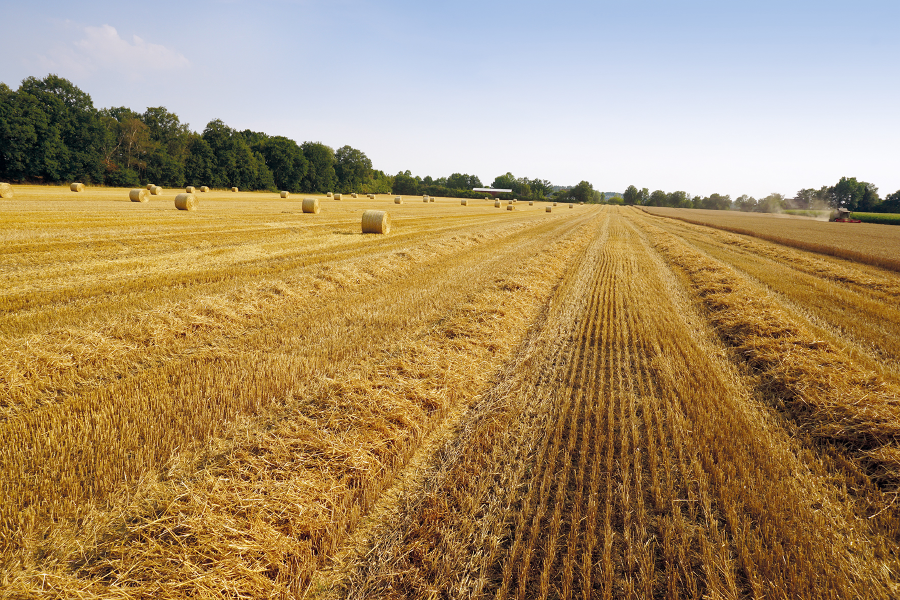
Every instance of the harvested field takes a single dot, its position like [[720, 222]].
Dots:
[[251, 401], [866, 243]]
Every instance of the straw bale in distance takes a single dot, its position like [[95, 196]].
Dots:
[[156, 191], [376, 221], [186, 202], [431, 198], [6, 191], [77, 187], [487, 197], [285, 194], [337, 196], [554, 204], [496, 203], [464, 202], [150, 186], [234, 189], [139, 195], [531, 203], [329, 195], [510, 206], [398, 200], [424, 198], [549, 209], [204, 188], [190, 189], [571, 206], [371, 196], [311, 205], [354, 195]]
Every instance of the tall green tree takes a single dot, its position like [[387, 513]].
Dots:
[[505, 182], [166, 163], [854, 195], [286, 161], [352, 167], [657, 198], [200, 163], [583, 192], [773, 203], [30, 144], [81, 130], [462, 181], [891, 203], [632, 195], [679, 199], [320, 175], [235, 163], [745, 203], [715, 202], [405, 183], [540, 188]]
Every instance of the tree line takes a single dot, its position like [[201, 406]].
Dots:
[[50, 132], [855, 196]]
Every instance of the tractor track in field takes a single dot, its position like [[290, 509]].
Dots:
[[623, 455]]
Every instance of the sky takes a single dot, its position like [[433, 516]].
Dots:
[[727, 96]]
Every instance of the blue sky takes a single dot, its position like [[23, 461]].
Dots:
[[731, 97]]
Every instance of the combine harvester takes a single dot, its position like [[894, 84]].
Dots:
[[842, 215]]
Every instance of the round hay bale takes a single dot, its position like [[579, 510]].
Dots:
[[424, 198], [311, 205], [329, 195], [337, 196], [549, 209], [354, 195], [6, 191], [431, 198], [203, 188], [496, 203], [371, 196], [186, 202], [510, 207], [156, 191], [464, 202], [554, 204], [398, 200], [531, 203], [139, 195], [285, 194], [150, 186], [571, 206], [376, 221], [190, 189], [487, 197], [77, 187], [234, 189]]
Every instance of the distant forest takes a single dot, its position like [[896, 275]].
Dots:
[[50, 132], [856, 196]]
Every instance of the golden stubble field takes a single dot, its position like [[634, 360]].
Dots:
[[865, 243], [248, 401]]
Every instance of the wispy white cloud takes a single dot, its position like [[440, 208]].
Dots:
[[103, 49]]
